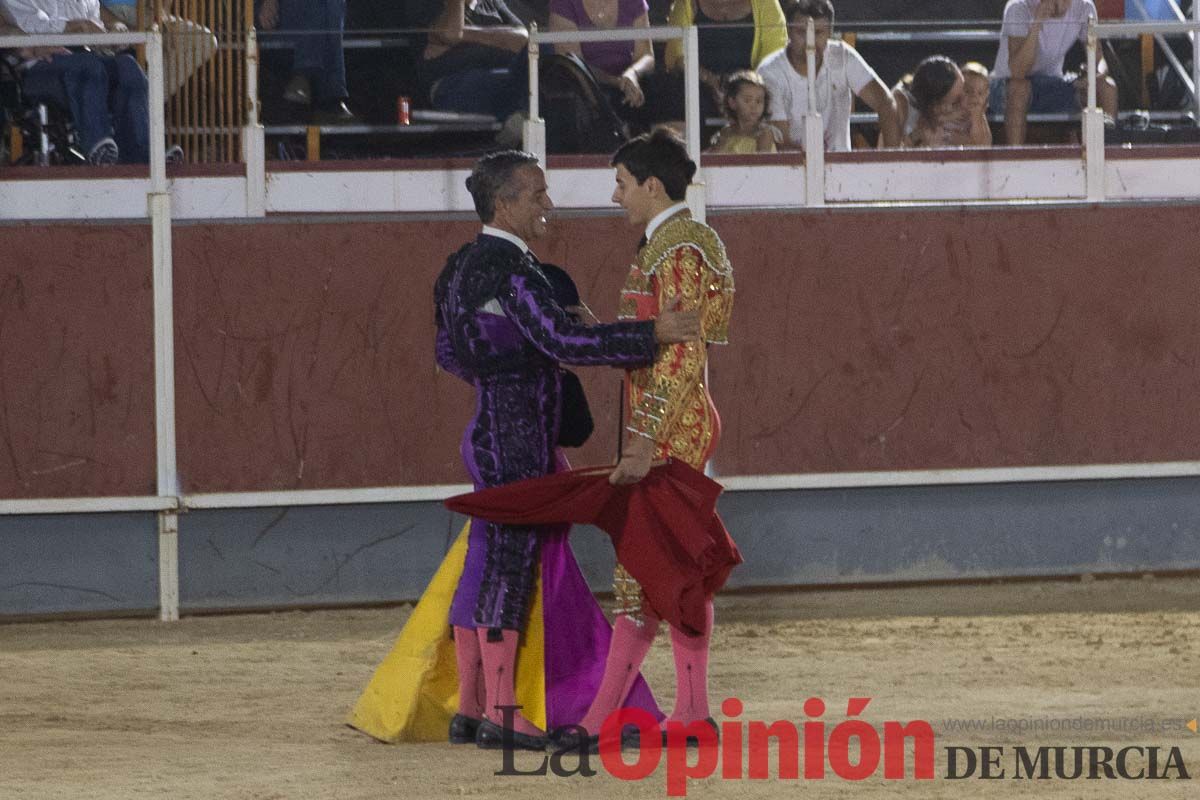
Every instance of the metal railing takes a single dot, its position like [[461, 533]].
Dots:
[[206, 58], [1093, 117], [535, 127]]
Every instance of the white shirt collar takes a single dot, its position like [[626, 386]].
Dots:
[[488, 230], [662, 217]]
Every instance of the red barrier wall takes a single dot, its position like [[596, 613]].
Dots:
[[862, 340], [76, 361]]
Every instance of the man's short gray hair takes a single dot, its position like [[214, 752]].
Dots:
[[492, 179]]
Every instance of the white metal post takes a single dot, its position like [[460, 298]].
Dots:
[[694, 120], [691, 91], [1196, 60], [814, 127], [159, 202], [254, 144], [533, 132], [1093, 125], [168, 566], [158, 123]]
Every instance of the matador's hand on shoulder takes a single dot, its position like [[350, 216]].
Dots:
[[676, 326]]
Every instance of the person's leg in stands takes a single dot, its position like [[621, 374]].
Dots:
[[1106, 93], [499, 91], [330, 88], [1018, 92], [83, 81], [318, 57], [129, 100]]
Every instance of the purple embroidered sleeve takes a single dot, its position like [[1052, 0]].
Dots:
[[529, 305], [444, 352]]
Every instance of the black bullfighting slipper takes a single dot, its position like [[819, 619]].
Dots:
[[463, 729], [491, 736], [571, 739], [694, 741]]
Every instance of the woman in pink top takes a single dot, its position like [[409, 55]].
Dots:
[[619, 67]]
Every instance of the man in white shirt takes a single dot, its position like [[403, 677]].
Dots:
[[1029, 76], [107, 96], [841, 74]]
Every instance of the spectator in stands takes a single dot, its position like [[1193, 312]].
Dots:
[[1034, 41], [106, 95], [932, 106], [841, 74], [619, 67], [976, 82], [747, 105], [734, 35], [187, 45], [474, 60], [318, 59]]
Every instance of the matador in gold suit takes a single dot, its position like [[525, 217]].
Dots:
[[682, 265]]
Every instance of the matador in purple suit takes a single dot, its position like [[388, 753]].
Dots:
[[500, 329]]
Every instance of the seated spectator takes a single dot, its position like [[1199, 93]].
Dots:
[[1029, 77], [746, 105], [976, 84], [841, 75], [932, 106], [474, 60], [318, 59], [106, 95], [733, 35], [187, 45], [619, 67]]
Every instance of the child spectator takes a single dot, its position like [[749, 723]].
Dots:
[[976, 84], [746, 104], [933, 106]]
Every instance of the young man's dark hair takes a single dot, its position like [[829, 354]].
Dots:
[[492, 178], [817, 9], [659, 154]]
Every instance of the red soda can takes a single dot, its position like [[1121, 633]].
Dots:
[[403, 107]]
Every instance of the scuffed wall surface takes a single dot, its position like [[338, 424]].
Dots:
[[870, 340], [76, 361], [862, 340], [941, 339], [304, 352]]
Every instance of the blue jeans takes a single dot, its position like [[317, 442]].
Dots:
[[1049, 94], [106, 96], [499, 91], [318, 52]]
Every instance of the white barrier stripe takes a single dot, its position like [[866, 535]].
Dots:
[[732, 483], [87, 505], [321, 497], [952, 477]]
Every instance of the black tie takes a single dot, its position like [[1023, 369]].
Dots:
[[642, 242]]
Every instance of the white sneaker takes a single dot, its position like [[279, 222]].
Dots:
[[104, 153]]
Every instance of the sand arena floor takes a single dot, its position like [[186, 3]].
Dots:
[[252, 706]]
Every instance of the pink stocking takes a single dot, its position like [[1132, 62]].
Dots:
[[470, 673], [630, 643], [499, 664], [691, 671]]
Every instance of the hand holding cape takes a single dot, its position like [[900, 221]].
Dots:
[[665, 528]]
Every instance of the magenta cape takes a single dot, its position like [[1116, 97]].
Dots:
[[665, 528]]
